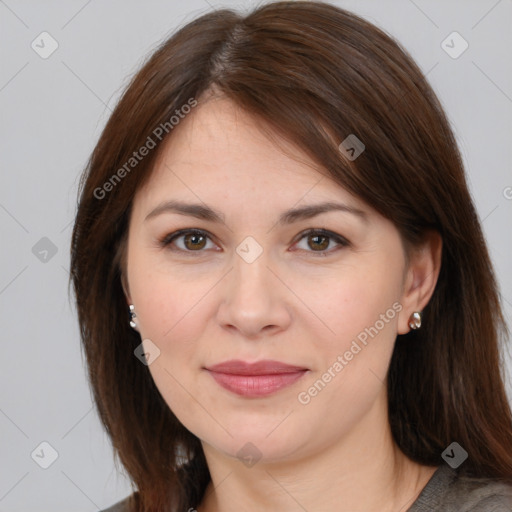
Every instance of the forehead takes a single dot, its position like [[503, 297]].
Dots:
[[219, 153]]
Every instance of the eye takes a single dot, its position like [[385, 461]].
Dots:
[[320, 240], [194, 240]]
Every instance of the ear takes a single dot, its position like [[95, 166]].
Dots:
[[121, 263], [420, 278], [126, 288]]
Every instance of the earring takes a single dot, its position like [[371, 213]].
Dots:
[[133, 325], [415, 320]]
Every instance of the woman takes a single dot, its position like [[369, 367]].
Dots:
[[284, 293]]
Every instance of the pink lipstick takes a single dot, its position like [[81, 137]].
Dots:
[[255, 379]]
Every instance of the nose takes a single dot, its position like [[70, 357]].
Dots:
[[255, 302]]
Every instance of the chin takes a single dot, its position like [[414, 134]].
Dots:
[[261, 442]]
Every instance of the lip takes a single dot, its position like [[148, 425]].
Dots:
[[258, 379]]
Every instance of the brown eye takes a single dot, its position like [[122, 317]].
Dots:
[[194, 241], [320, 242], [186, 241], [190, 241]]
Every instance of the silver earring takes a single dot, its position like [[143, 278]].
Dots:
[[133, 325], [415, 320]]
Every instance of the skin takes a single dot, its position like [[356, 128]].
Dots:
[[209, 305]]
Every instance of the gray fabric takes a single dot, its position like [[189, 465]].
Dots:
[[446, 491]]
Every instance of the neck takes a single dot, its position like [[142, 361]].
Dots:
[[364, 470]]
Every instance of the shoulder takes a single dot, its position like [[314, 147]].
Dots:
[[125, 505], [450, 491], [483, 494]]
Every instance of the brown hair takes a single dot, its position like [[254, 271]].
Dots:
[[313, 73]]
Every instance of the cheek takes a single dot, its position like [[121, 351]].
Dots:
[[357, 300], [171, 312], [351, 364], [172, 315], [361, 311], [165, 296]]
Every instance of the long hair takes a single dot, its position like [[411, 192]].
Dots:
[[314, 74]]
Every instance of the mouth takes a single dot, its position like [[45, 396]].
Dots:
[[258, 379]]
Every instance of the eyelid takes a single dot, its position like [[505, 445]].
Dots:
[[339, 239]]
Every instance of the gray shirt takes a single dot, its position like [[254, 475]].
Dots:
[[446, 491]]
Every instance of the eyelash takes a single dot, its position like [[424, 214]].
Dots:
[[170, 238]]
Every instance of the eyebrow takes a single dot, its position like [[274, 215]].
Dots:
[[203, 212]]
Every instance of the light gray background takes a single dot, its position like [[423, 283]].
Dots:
[[52, 113]]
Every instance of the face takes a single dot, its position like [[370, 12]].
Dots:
[[322, 293]]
